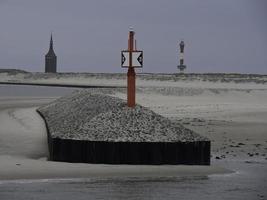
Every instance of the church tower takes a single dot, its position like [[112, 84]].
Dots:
[[51, 59]]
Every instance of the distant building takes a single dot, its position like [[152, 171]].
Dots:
[[181, 65], [51, 59]]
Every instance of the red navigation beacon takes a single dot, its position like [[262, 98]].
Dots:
[[131, 59]]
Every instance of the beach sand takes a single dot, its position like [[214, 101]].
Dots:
[[233, 116], [24, 155]]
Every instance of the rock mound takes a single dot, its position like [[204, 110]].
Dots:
[[97, 117], [96, 128]]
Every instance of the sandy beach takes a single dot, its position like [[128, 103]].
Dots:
[[24, 152], [232, 115]]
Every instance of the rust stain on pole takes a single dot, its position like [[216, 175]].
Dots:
[[131, 74]]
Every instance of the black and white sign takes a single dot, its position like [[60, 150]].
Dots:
[[137, 59]]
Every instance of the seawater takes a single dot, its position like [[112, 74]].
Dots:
[[33, 91], [248, 182]]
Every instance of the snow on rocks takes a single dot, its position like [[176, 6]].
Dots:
[[86, 115]]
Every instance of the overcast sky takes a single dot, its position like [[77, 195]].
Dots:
[[220, 35]]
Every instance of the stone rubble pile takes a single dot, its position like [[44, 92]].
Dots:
[[92, 116]]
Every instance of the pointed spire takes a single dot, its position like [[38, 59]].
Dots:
[[51, 49], [51, 41]]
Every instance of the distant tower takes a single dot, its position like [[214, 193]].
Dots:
[[51, 59], [181, 67]]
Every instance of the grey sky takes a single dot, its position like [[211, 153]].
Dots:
[[220, 35]]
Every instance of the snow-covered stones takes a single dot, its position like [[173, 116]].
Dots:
[[97, 117], [93, 127]]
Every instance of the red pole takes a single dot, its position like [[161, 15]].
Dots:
[[131, 74]]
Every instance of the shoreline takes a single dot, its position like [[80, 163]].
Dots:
[[62, 85], [25, 168]]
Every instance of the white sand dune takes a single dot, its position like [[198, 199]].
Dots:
[[212, 81], [22, 133]]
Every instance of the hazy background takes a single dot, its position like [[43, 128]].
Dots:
[[220, 35]]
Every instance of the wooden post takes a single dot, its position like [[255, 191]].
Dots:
[[131, 73]]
